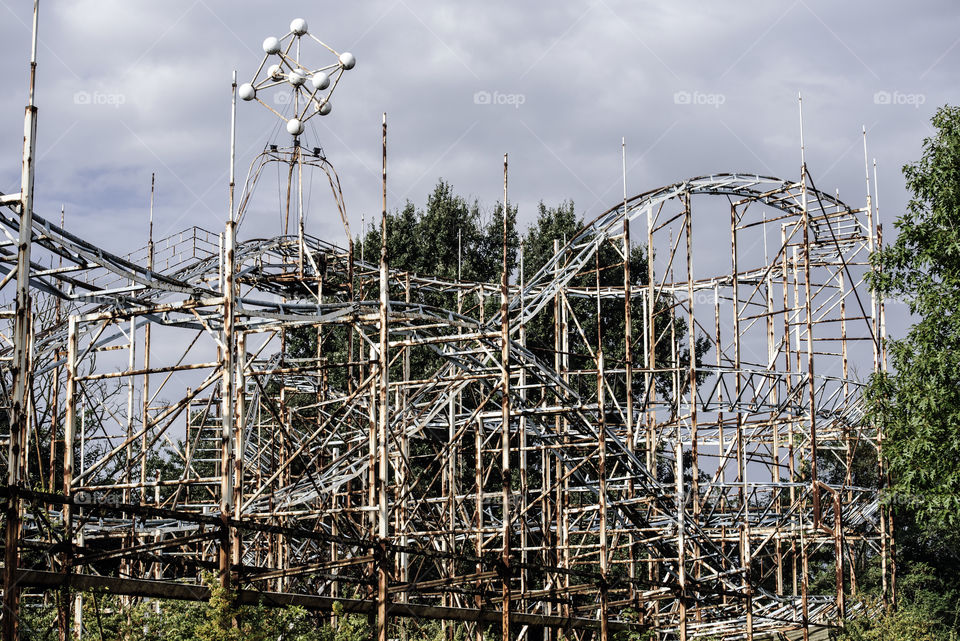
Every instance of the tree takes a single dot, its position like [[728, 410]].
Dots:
[[449, 234], [919, 405]]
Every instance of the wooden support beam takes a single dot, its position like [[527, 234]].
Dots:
[[191, 592]]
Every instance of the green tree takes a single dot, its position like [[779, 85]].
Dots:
[[107, 617], [450, 233], [919, 405], [906, 624]]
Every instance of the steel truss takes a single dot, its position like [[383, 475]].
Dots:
[[632, 490]]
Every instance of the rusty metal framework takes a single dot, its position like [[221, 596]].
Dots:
[[315, 428]]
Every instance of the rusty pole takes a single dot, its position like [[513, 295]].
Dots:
[[738, 417], [602, 466], [146, 357], [628, 353], [383, 409], [69, 436], [505, 418], [22, 371], [227, 396]]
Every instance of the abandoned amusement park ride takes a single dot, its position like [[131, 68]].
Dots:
[[574, 493]]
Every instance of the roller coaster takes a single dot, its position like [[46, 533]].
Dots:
[[315, 428]]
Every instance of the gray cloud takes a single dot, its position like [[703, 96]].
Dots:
[[695, 88]]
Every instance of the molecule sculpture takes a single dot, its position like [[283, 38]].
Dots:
[[282, 71]]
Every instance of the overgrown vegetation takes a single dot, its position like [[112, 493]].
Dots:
[[107, 617]]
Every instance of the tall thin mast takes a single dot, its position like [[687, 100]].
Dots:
[[21, 353]]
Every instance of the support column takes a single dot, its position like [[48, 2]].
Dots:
[[602, 466], [69, 437], [691, 385], [744, 496], [227, 367], [383, 408], [505, 421], [21, 366]]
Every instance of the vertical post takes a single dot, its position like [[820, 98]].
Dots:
[[628, 354], [721, 452], [227, 395], [871, 245], [774, 421], [22, 375], [448, 543], [650, 342], [505, 418], [804, 581], [233, 154], [888, 532], [681, 516], [788, 360], [383, 409], [692, 370], [557, 481], [744, 497], [522, 429], [563, 479], [403, 472], [878, 365], [602, 464], [478, 517], [63, 605], [450, 469], [145, 418], [227, 370], [882, 330], [811, 384], [838, 553], [126, 564], [239, 410], [69, 436], [78, 599], [651, 331]]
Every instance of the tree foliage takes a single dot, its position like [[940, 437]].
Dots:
[[919, 405], [448, 236], [107, 617]]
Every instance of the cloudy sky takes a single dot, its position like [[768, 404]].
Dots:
[[126, 88]]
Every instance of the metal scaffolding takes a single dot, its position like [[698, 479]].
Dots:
[[315, 428]]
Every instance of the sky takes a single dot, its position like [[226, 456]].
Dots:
[[129, 88]]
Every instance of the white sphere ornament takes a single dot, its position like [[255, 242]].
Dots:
[[274, 72], [246, 91], [271, 45], [324, 108], [296, 78], [298, 26], [347, 60], [320, 81], [294, 127]]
